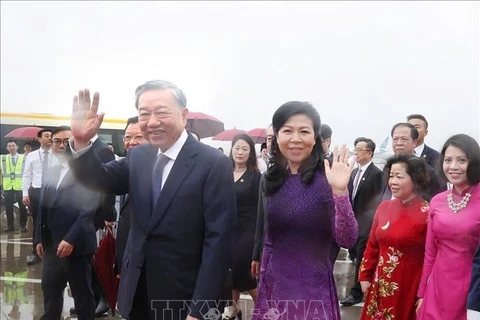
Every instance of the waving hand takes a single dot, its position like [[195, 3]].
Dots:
[[85, 120]]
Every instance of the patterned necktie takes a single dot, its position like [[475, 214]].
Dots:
[[157, 177], [45, 161], [14, 161], [356, 182]]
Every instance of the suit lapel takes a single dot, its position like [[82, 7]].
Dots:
[[182, 167], [145, 177], [364, 178], [67, 181]]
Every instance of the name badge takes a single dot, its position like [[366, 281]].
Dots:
[[12, 176]]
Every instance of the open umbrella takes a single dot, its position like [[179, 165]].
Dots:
[[24, 133], [228, 135], [203, 124], [103, 260], [258, 135]]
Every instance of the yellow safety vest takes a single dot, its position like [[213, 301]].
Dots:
[[12, 174]]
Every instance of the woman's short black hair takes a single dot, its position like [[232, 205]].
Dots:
[[472, 150], [416, 168]]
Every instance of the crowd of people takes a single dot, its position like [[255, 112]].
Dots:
[[197, 228]]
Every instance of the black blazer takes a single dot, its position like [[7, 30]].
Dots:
[[66, 213], [122, 234], [184, 244], [261, 226], [106, 211], [474, 294], [431, 156], [366, 199]]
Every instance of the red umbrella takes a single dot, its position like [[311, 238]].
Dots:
[[103, 260], [258, 135], [203, 124], [24, 133], [228, 135]]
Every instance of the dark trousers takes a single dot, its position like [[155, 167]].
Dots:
[[12, 196], [145, 309], [140, 306], [56, 273], [360, 247], [34, 194]]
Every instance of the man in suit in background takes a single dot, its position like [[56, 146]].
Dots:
[[65, 237], [364, 188], [326, 135], [473, 304], [404, 139], [105, 213], [430, 155], [181, 239], [133, 137]]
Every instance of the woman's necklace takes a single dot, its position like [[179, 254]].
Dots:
[[455, 207]]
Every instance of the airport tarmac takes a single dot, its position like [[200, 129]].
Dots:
[[21, 293]]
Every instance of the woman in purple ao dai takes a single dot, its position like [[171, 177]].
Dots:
[[309, 216]]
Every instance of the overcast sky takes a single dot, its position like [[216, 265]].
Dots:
[[364, 65]]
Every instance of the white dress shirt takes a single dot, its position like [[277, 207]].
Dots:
[[171, 153], [32, 174], [473, 315], [63, 172], [419, 150], [362, 172]]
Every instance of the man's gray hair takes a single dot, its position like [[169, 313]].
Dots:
[[161, 85]]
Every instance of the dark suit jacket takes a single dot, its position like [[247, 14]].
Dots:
[[431, 156], [67, 213], [122, 234], [366, 199], [261, 226], [106, 211], [474, 294], [436, 185], [185, 244]]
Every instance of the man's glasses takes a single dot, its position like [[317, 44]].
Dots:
[[130, 138], [58, 142], [360, 150]]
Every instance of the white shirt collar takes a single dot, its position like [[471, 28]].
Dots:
[[363, 168], [419, 150], [94, 138], [174, 150]]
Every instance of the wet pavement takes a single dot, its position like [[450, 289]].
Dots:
[[21, 293]]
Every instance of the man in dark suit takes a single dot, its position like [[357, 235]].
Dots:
[[404, 139], [473, 303], [65, 237], [430, 155], [133, 137], [105, 213], [326, 135], [364, 188], [181, 239]]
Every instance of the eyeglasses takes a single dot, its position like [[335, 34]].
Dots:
[[58, 142], [130, 138], [360, 150]]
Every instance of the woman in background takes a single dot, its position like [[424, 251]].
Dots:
[[247, 181], [392, 263], [453, 234]]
